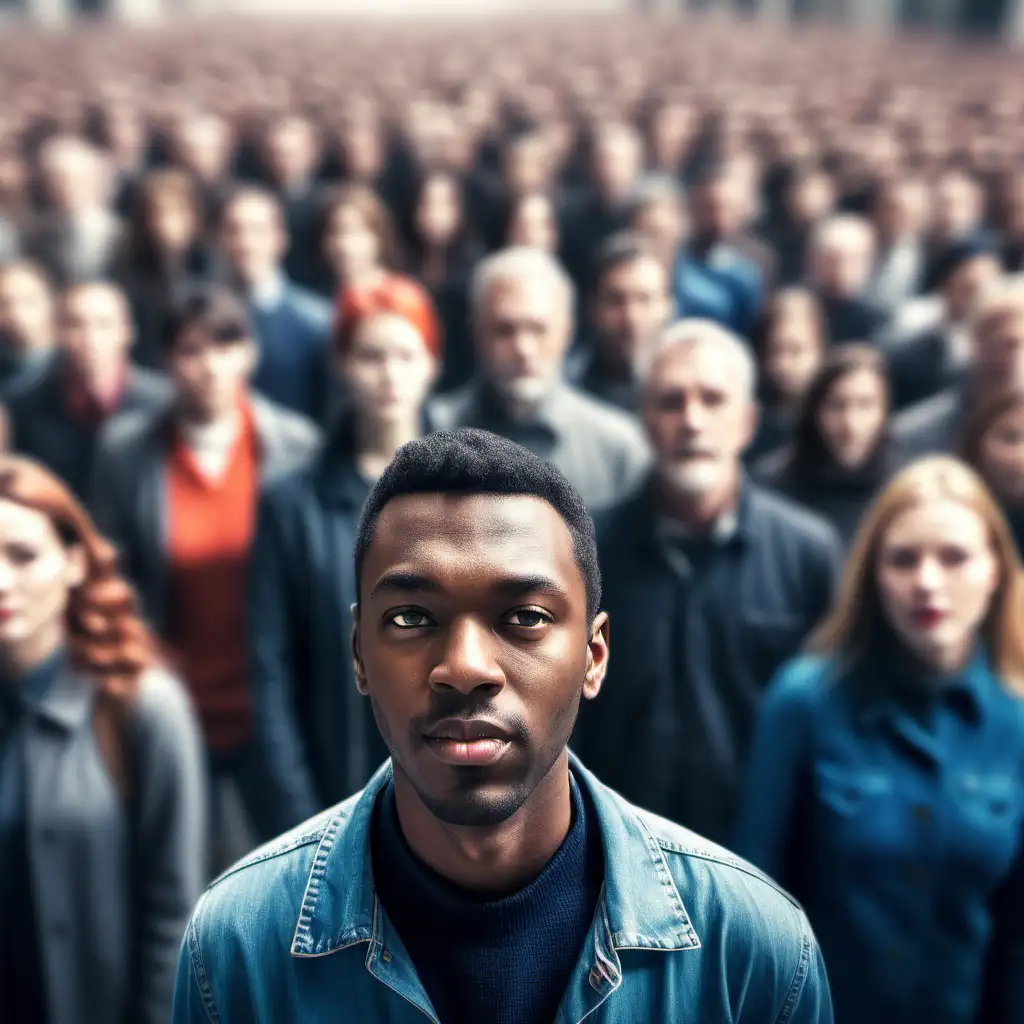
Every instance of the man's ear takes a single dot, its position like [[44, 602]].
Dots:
[[597, 656], [357, 660]]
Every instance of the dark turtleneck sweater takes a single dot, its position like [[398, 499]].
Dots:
[[504, 958], [22, 994]]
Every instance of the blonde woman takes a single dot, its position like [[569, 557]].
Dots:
[[886, 784]]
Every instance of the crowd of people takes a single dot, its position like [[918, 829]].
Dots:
[[757, 296]]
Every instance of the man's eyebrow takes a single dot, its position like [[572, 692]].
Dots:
[[406, 583]]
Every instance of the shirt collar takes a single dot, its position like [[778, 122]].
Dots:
[[640, 906], [269, 294]]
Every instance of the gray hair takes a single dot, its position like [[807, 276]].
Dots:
[[655, 188], [691, 333], [520, 263]]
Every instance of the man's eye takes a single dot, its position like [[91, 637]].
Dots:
[[528, 618], [409, 620]]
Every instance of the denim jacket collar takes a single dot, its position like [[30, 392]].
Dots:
[[640, 906]]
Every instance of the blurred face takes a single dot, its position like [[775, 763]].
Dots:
[[698, 418], [351, 246], [95, 331], [957, 208], [439, 214], [13, 173], [936, 575], [720, 209], [364, 153], [473, 644], [901, 212], [1001, 456], [204, 147], [252, 238], [811, 199], [71, 179], [525, 167], [792, 357], [533, 224], [841, 268], [291, 152], [966, 285], [210, 377], [852, 417], [37, 573], [999, 351], [172, 223], [664, 223], [616, 165], [388, 369], [26, 310], [631, 307], [523, 332]]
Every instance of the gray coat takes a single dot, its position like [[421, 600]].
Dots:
[[129, 487], [933, 426], [601, 450], [115, 869]]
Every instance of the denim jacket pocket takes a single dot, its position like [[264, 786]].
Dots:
[[849, 791], [989, 799]]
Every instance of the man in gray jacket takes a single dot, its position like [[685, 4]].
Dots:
[[176, 491], [522, 307]]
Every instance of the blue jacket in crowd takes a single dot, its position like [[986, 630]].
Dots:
[[684, 931], [894, 811], [725, 286]]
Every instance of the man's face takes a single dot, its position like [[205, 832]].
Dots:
[[967, 283], [290, 151], [26, 309], [631, 306], [523, 334], [616, 164], [698, 418], [841, 267], [95, 330], [71, 178], [664, 222], [210, 377], [252, 238], [473, 644], [719, 210], [999, 351]]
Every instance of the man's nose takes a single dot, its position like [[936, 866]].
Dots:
[[467, 662]]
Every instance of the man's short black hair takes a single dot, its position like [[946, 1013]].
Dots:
[[478, 462], [211, 308], [617, 250]]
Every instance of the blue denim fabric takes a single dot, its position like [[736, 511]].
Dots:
[[899, 827], [684, 931]]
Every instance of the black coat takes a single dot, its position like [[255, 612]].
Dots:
[[315, 732], [696, 635]]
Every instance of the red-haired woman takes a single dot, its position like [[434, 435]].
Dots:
[[102, 823], [316, 733]]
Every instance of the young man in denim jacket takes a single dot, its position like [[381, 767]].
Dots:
[[484, 875]]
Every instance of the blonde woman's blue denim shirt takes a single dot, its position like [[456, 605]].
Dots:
[[684, 931], [897, 819]]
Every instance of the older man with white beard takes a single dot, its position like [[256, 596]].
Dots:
[[522, 308], [711, 584]]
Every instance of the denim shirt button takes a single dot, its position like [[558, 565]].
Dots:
[[386, 956]]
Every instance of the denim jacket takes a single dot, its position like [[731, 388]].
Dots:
[[683, 931]]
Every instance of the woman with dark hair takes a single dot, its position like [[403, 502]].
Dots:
[[993, 444], [790, 344], [532, 220], [102, 823], [442, 252], [357, 241], [316, 734], [164, 256], [885, 786], [841, 453]]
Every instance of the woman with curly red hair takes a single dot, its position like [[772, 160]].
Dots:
[[102, 844], [316, 733]]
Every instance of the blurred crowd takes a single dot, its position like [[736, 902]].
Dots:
[[241, 264]]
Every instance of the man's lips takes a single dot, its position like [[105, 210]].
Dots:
[[475, 742]]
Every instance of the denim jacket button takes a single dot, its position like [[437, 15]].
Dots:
[[386, 956]]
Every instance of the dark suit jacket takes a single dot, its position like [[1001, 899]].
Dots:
[[129, 481], [933, 426], [315, 732], [920, 368], [44, 429]]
